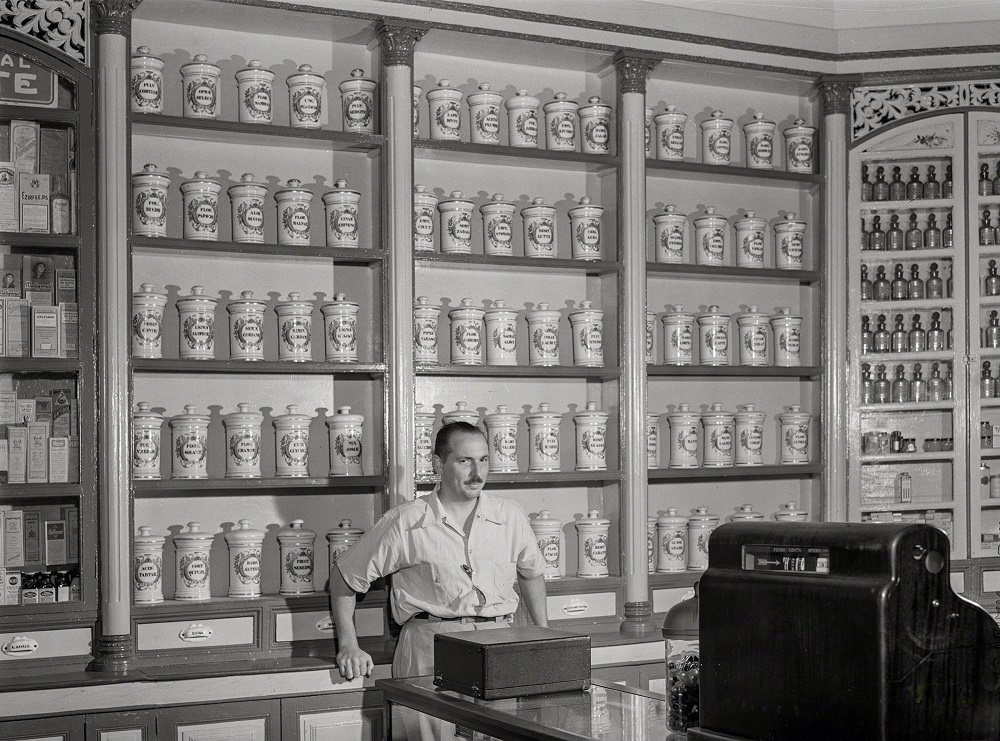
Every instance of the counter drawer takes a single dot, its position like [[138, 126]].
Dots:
[[317, 625], [583, 605], [44, 644], [232, 631]]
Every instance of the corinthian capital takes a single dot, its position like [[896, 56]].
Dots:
[[633, 68], [398, 43], [835, 94]]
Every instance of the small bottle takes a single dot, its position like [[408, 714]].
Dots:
[[918, 386], [60, 206], [947, 187], [949, 283], [74, 586], [865, 236], [985, 183], [881, 337], [914, 237], [894, 235], [866, 184], [948, 233], [932, 188], [932, 234], [935, 335], [880, 188], [935, 385], [882, 386], [918, 337], [897, 188], [900, 387], [991, 335], [986, 234], [866, 284], [900, 341], [867, 386], [914, 188], [867, 338], [876, 238], [947, 386], [992, 282], [915, 288], [933, 286], [899, 286], [986, 385], [881, 289], [996, 180]]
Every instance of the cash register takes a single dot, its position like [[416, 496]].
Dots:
[[841, 631]]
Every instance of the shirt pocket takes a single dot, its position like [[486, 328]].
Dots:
[[449, 582], [504, 576]]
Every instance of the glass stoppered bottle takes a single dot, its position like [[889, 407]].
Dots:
[[865, 236], [915, 286], [900, 340], [897, 188], [866, 184], [867, 385], [918, 386], [899, 286], [932, 188], [900, 386], [932, 234], [867, 338], [918, 337], [935, 335], [880, 337], [986, 385], [866, 284], [996, 180], [986, 234], [985, 182], [991, 334], [933, 286], [914, 238], [881, 288], [991, 286], [894, 235], [880, 188], [882, 386], [948, 233], [947, 185], [876, 238], [914, 188]]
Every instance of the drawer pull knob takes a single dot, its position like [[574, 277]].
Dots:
[[19, 646], [325, 625], [575, 607], [196, 632]]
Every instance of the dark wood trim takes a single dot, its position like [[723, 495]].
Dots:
[[713, 371], [518, 371], [69, 727], [169, 719], [734, 473], [247, 367], [245, 487], [335, 254], [710, 272], [538, 264]]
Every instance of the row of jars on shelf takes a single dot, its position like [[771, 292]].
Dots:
[[989, 235], [901, 390], [914, 238], [201, 209], [901, 289], [988, 186], [201, 83], [242, 429], [246, 326], [897, 190], [901, 340]]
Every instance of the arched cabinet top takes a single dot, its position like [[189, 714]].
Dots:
[[62, 29]]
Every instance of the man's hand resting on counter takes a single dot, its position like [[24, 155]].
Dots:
[[353, 663]]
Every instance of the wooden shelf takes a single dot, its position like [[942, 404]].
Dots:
[[903, 458], [942, 253], [41, 366], [992, 200], [569, 584], [516, 263], [320, 599], [925, 304], [243, 487], [62, 242], [723, 173], [908, 507], [674, 579], [40, 491], [480, 154], [73, 613], [44, 115], [906, 357], [910, 406], [711, 371], [262, 367], [518, 371], [336, 254], [734, 473], [915, 205], [554, 478], [708, 272]]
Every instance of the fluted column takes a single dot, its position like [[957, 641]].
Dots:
[[632, 71], [112, 19], [397, 43], [836, 97]]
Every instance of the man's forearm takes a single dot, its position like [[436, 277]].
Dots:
[[342, 601], [533, 594]]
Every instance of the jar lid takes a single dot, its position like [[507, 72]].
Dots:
[[425, 304], [537, 208], [789, 221], [243, 534], [591, 411], [544, 414], [198, 295], [358, 74], [485, 94], [586, 310], [344, 416], [149, 293], [671, 517], [247, 181], [751, 315], [712, 314], [785, 312], [682, 410], [145, 536], [798, 127], [143, 411], [246, 301], [461, 413], [748, 412], [340, 187], [201, 180], [338, 303], [521, 99], [305, 73], [542, 313], [194, 534], [758, 121], [244, 416], [455, 200], [710, 215], [502, 415], [254, 68], [717, 413], [444, 90], [593, 518], [702, 516], [419, 413], [292, 415], [790, 511], [677, 312], [344, 529], [750, 220], [295, 531], [560, 102], [594, 106], [421, 193], [681, 621], [544, 520], [669, 212], [293, 187], [500, 307], [191, 414], [670, 115], [745, 514], [200, 63], [495, 200], [294, 301], [586, 206], [149, 170], [794, 414], [144, 52], [716, 120], [466, 308]]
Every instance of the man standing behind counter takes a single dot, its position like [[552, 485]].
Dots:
[[453, 556]]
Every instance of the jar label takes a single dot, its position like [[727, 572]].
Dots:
[[425, 335], [545, 340], [597, 133], [468, 338], [541, 233], [296, 334], [504, 338], [146, 572], [448, 119], [146, 90], [423, 221], [716, 341], [244, 448], [672, 240], [201, 96], [202, 216], [594, 442], [306, 104], [423, 444], [190, 450], [299, 565], [499, 231], [652, 442], [563, 128], [504, 444], [789, 341], [146, 327], [588, 235], [357, 111], [149, 207], [797, 439], [198, 331], [459, 228], [250, 216], [488, 122], [713, 244], [753, 246], [146, 450], [672, 140], [755, 342], [295, 221], [248, 333], [549, 546], [791, 247], [194, 570], [650, 546], [347, 446], [592, 338], [687, 441], [719, 144], [752, 439], [342, 335], [547, 445], [596, 550], [257, 101], [344, 223], [246, 566], [720, 439], [800, 152], [761, 149], [294, 448], [527, 126], [650, 331], [682, 341], [674, 545]]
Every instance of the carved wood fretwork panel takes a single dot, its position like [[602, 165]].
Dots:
[[875, 107], [62, 24]]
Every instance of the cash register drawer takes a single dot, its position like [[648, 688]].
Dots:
[[44, 644], [580, 606], [317, 625], [233, 631]]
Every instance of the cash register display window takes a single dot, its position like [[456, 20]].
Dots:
[[786, 559]]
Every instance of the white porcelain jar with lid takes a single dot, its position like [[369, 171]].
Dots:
[[341, 210], [591, 438], [501, 432], [149, 202], [417, 90], [678, 336], [795, 436], [711, 233], [456, 223], [244, 544], [651, 544], [189, 444], [424, 219], [650, 338], [293, 213], [197, 325], [247, 200], [595, 124], [800, 147], [787, 329], [522, 120], [789, 243], [750, 231], [243, 442], [306, 92], [649, 131], [291, 443], [147, 322], [201, 207], [670, 134], [423, 442], [652, 441], [461, 413], [671, 538], [713, 335], [146, 82], [758, 137], [539, 222], [340, 328], [543, 439], [791, 512], [147, 567], [255, 84], [501, 334], [444, 103], [484, 115], [716, 139], [587, 325], [684, 425], [549, 536], [294, 329], [467, 329], [297, 548], [340, 539], [146, 426], [560, 124], [543, 335], [592, 557], [670, 228], [746, 513], [720, 432], [755, 337], [246, 327], [346, 443], [585, 226], [201, 88], [193, 550], [701, 524], [425, 329], [357, 98], [749, 436], [498, 226]]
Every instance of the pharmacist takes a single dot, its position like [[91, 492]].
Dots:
[[453, 556]]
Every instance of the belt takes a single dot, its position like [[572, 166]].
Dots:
[[468, 619]]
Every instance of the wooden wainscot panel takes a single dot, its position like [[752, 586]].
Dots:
[[44, 644], [123, 726], [346, 716], [257, 720], [195, 634], [581, 605], [67, 728], [317, 625]]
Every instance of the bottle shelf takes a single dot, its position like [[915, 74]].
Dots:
[[920, 457], [992, 403], [516, 264], [724, 173], [909, 406], [247, 134], [924, 304], [708, 272], [756, 371], [992, 200], [541, 478], [266, 367], [518, 371], [336, 254], [674, 579], [916, 204], [40, 491], [988, 300], [990, 504], [243, 487], [989, 454], [79, 610], [484, 154], [906, 357], [43, 115], [41, 366], [735, 473], [989, 250], [908, 507], [939, 253], [63, 242]]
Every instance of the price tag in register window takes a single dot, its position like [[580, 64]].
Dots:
[[786, 559]]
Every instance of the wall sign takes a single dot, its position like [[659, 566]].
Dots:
[[23, 82]]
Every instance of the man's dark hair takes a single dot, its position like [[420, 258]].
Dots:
[[442, 443]]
